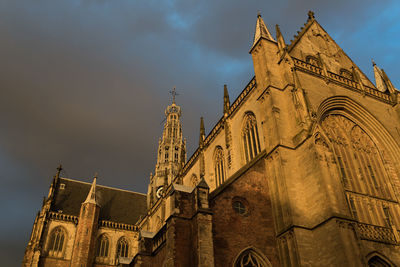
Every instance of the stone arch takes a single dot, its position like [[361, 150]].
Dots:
[[250, 138], [123, 247], [376, 259], [366, 157], [194, 180], [219, 166], [357, 112], [57, 241], [251, 257], [103, 247], [313, 60]]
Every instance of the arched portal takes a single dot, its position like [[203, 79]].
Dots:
[[251, 258]]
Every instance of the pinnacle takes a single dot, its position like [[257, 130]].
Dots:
[[91, 198], [261, 31]]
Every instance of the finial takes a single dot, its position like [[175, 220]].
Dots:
[[96, 174], [373, 62], [311, 15], [258, 14], [59, 169], [173, 93]]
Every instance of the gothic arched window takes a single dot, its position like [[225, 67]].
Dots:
[[250, 139], [219, 166], [103, 245], [250, 258], [56, 244], [365, 172], [346, 73], [313, 61], [123, 248]]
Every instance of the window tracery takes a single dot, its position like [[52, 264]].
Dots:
[[250, 258], [123, 248], [219, 166], [250, 139], [313, 61], [363, 172], [103, 245], [56, 244], [346, 73]]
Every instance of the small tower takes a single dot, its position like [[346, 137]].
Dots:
[[265, 53], [83, 251], [171, 154]]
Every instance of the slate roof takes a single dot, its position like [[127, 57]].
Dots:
[[116, 205]]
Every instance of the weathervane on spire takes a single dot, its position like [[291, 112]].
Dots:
[[174, 94]]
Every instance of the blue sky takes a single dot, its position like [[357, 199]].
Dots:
[[85, 82]]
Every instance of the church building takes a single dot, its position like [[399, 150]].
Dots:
[[302, 169]]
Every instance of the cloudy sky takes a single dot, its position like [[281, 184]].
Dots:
[[85, 82]]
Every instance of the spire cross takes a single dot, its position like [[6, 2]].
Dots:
[[174, 94]]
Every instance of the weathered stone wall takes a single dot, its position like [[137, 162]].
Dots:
[[234, 232]]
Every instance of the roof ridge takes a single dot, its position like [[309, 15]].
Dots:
[[104, 186]]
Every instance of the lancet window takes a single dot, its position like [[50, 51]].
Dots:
[[250, 258], [365, 171], [56, 244], [250, 139], [103, 245], [123, 248], [219, 166]]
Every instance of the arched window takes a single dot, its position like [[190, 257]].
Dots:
[[250, 258], [313, 61], [193, 180], [56, 244], [377, 261], [364, 171], [346, 73], [123, 248], [103, 245], [219, 166], [251, 142]]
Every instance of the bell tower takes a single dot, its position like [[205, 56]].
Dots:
[[171, 154]]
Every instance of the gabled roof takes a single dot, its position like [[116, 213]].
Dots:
[[303, 31], [116, 205]]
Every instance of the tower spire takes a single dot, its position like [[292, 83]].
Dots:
[[261, 31], [91, 197], [171, 154]]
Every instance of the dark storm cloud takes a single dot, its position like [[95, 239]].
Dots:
[[85, 82]]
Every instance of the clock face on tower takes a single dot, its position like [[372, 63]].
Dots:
[[159, 192]]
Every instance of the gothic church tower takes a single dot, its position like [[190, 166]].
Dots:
[[171, 155]]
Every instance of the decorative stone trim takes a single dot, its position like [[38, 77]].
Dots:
[[62, 217], [336, 78], [115, 225], [376, 233]]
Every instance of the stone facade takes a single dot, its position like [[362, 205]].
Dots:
[[302, 169]]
